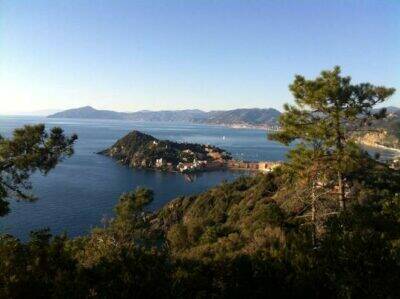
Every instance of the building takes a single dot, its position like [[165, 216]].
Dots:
[[160, 162], [267, 166], [187, 151]]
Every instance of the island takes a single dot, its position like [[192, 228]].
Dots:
[[140, 150]]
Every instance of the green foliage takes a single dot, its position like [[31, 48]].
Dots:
[[30, 149], [140, 150], [328, 111], [247, 239], [258, 249], [41, 268], [133, 201]]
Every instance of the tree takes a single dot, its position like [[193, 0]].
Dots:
[[307, 183], [328, 111], [30, 149]]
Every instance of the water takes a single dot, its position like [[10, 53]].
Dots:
[[79, 192]]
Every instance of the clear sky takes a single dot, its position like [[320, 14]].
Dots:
[[132, 55]]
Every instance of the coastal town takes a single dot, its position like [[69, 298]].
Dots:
[[218, 160]]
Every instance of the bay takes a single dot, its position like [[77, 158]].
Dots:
[[83, 189]]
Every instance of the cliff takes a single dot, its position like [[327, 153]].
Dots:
[[381, 139]]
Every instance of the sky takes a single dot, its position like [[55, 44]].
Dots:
[[158, 55]]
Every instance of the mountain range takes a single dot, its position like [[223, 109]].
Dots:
[[237, 117]]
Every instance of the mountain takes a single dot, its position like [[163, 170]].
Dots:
[[238, 117], [393, 109], [254, 117], [88, 112], [140, 150], [144, 115], [167, 115], [385, 132]]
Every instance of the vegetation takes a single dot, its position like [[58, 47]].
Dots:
[[281, 234], [140, 150], [30, 149], [327, 113]]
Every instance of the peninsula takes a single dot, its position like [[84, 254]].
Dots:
[[139, 150]]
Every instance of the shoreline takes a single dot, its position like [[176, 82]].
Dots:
[[231, 165], [379, 146], [242, 126]]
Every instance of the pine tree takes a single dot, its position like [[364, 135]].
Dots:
[[30, 149], [328, 111]]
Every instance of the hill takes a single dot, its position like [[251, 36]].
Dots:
[[89, 113], [386, 131], [167, 115], [236, 117], [244, 117], [140, 150]]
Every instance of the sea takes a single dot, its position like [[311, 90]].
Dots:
[[80, 193]]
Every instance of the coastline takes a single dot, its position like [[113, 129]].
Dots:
[[243, 126], [381, 147]]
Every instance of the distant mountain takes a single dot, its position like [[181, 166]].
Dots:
[[144, 115], [393, 109], [236, 117], [88, 112], [253, 117], [167, 115], [386, 131]]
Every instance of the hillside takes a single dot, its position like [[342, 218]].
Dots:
[[230, 219], [386, 131], [89, 113], [140, 150], [167, 115], [245, 117], [239, 117]]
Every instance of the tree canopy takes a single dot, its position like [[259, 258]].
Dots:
[[328, 110]]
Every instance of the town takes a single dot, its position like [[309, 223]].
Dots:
[[216, 160]]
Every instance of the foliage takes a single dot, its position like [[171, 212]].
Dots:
[[30, 149], [258, 249], [250, 238], [327, 113], [140, 150]]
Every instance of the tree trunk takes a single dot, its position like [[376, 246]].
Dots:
[[339, 148], [342, 202], [313, 216]]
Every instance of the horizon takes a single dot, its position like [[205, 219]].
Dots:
[[133, 56], [48, 112]]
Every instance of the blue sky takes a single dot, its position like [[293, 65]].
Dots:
[[132, 55]]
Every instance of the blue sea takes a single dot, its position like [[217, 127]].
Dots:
[[82, 190]]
